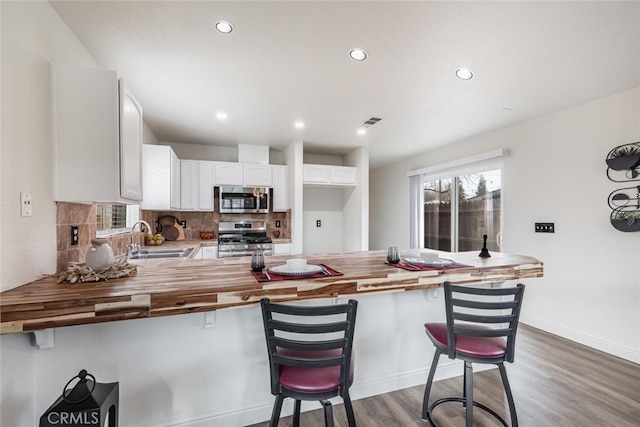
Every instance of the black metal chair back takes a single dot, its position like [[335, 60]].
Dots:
[[313, 338], [465, 313]]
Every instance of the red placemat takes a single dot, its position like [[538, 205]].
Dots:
[[418, 267], [261, 276]]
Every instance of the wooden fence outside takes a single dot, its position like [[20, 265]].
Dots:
[[477, 216]]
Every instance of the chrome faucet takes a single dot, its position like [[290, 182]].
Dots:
[[134, 248]]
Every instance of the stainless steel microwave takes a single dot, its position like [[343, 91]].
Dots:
[[244, 199]]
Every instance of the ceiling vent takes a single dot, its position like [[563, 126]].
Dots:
[[370, 122]]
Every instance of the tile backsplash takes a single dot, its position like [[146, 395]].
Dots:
[[208, 221], [84, 217]]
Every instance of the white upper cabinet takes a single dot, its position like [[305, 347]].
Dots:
[[280, 189], [229, 174], [330, 175], [174, 180], [196, 185], [161, 178], [97, 137], [256, 175], [205, 186], [189, 184], [247, 174], [345, 175], [131, 128], [315, 173]]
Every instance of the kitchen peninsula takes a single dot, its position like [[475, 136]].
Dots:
[[164, 287]]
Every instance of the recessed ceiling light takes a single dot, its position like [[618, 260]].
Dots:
[[299, 124], [221, 116], [358, 54], [464, 73], [224, 27], [362, 131]]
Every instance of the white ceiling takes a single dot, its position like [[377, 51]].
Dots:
[[288, 61]]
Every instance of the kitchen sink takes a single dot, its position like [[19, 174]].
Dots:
[[162, 253]]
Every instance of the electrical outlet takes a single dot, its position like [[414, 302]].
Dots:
[[545, 227], [183, 223], [74, 235], [25, 204], [277, 223], [318, 223]]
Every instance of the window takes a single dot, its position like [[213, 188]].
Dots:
[[114, 218], [459, 210], [454, 205]]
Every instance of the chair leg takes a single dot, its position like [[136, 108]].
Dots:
[[328, 413], [351, 419], [296, 414], [464, 385], [468, 392], [507, 390], [427, 389], [277, 407]]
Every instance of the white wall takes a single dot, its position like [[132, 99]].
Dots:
[[33, 36], [217, 153], [326, 205], [355, 232], [555, 172]]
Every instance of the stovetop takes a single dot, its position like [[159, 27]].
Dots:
[[243, 232], [243, 238]]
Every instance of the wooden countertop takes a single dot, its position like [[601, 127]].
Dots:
[[177, 286]]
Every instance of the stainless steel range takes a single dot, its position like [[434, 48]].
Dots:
[[243, 238]]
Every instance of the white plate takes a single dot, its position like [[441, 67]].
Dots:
[[284, 270], [439, 262]]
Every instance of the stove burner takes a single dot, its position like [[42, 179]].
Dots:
[[243, 239]]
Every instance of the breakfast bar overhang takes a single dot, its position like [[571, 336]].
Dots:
[[171, 287]]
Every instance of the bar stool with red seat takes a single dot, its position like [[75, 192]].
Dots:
[[310, 355], [481, 328]]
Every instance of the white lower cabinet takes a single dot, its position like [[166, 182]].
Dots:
[[282, 248]]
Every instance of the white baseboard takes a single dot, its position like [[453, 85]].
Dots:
[[592, 341], [258, 411]]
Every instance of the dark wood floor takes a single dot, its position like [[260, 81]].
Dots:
[[555, 383]]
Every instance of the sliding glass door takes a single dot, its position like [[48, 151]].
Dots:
[[460, 209]]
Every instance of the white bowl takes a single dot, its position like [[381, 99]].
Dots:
[[427, 256], [296, 264]]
